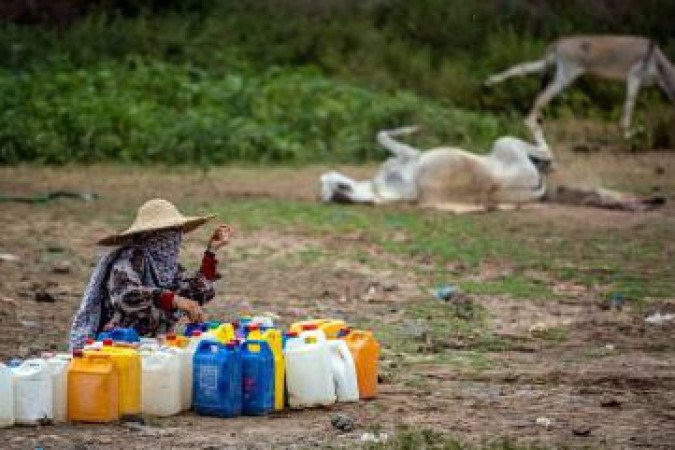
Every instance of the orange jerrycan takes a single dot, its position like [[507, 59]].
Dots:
[[128, 363], [273, 338], [365, 350], [93, 388]]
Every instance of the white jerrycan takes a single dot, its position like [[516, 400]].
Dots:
[[33, 402], [58, 366], [344, 371], [6, 396], [309, 376], [180, 355], [160, 383]]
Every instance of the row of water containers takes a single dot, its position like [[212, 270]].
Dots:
[[225, 370]]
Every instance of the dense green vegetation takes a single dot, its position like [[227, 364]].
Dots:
[[290, 80]]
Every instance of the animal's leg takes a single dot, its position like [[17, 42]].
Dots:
[[633, 82], [490, 200], [518, 71], [400, 150], [564, 76]]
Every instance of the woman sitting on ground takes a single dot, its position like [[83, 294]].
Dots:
[[140, 284]]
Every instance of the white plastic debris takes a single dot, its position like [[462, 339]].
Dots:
[[544, 421], [657, 318], [378, 438], [8, 257]]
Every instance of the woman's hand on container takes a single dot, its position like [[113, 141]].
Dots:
[[190, 307], [220, 237]]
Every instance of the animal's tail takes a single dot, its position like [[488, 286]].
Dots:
[[666, 73], [386, 139]]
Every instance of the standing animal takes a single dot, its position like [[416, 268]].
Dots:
[[448, 177], [636, 60]]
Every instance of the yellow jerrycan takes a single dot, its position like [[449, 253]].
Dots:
[[273, 338], [330, 327], [128, 363], [93, 388], [224, 333]]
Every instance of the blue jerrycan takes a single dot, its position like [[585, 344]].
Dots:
[[128, 335], [217, 379], [258, 362], [190, 327]]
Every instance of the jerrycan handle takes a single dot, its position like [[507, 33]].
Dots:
[[34, 364], [207, 346], [98, 358], [260, 346]]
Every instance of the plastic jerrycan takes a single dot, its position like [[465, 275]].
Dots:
[[253, 332], [33, 403], [93, 388], [309, 377], [179, 355], [258, 377], [128, 363], [181, 343], [224, 333], [190, 328], [344, 371], [217, 375], [332, 327], [160, 383], [58, 366], [365, 350], [298, 326], [273, 337], [195, 339], [6, 396]]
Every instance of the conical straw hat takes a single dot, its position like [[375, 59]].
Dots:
[[153, 215]]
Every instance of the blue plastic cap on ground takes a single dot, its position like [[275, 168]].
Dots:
[[445, 292]]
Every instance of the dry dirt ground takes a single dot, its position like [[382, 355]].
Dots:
[[609, 383]]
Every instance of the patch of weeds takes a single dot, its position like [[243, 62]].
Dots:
[[597, 352], [516, 285], [490, 342], [413, 438], [473, 360], [415, 380], [310, 255], [638, 261], [554, 334]]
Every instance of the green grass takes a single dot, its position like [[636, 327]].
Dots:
[[408, 438], [638, 263]]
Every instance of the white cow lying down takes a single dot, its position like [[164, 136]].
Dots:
[[447, 177], [511, 174]]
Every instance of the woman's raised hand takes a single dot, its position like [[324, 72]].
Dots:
[[220, 237]]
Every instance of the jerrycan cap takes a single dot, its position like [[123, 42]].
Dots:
[[196, 333], [252, 327], [343, 332], [171, 337], [90, 340], [291, 334], [310, 327], [107, 342], [78, 353]]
